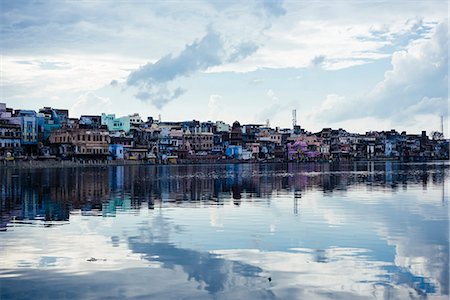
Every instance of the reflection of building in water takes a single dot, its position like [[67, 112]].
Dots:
[[23, 199], [51, 193]]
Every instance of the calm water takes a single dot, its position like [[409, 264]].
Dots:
[[314, 231]]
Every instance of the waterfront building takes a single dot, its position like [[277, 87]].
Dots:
[[32, 130], [136, 153], [268, 135], [116, 152], [10, 136], [90, 121], [147, 137], [236, 134], [131, 138], [234, 151], [116, 124], [222, 127], [80, 143], [53, 120], [198, 141], [306, 147], [10, 132], [119, 143], [254, 148], [250, 132], [135, 119]]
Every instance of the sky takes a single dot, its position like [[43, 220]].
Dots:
[[358, 65]]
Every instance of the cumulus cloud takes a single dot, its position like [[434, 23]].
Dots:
[[209, 51], [243, 50], [273, 7], [214, 107], [159, 95], [416, 85], [90, 103], [272, 109], [318, 60], [197, 56]]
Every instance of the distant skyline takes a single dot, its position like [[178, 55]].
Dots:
[[359, 65]]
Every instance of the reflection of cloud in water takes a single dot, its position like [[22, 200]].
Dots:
[[335, 273], [216, 273], [423, 251], [379, 233]]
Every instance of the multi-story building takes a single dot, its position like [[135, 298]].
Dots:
[[148, 138], [250, 132], [10, 132], [198, 141], [269, 135], [135, 119], [222, 127], [10, 136], [116, 124], [32, 126], [80, 143], [90, 122], [53, 119], [236, 134]]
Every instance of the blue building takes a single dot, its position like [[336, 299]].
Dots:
[[32, 126], [52, 120], [116, 151], [234, 151]]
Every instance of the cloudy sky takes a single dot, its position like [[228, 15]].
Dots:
[[361, 65]]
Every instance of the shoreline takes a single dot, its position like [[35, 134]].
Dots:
[[40, 164]]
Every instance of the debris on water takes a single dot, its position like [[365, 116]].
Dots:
[[92, 259]]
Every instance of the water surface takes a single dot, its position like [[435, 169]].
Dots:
[[242, 231]]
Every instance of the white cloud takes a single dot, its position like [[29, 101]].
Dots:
[[271, 109], [89, 103], [71, 48], [46, 76], [214, 107], [416, 85]]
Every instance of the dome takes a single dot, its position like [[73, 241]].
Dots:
[[236, 124]]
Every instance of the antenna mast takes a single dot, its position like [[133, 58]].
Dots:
[[294, 118]]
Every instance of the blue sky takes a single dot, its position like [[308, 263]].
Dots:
[[361, 65]]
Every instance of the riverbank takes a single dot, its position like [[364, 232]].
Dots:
[[38, 164], [53, 163]]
